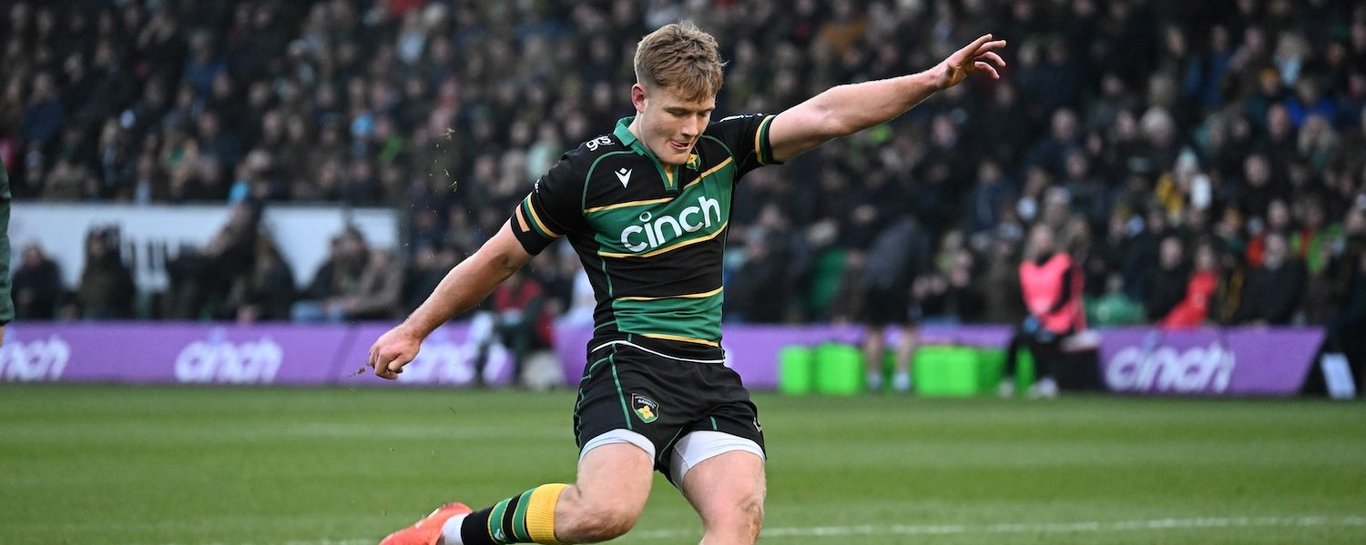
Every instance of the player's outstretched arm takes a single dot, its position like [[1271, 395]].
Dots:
[[463, 287], [847, 109]]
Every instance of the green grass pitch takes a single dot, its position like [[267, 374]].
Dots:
[[197, 466]]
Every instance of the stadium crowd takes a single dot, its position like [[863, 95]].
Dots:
[[1205, 161]]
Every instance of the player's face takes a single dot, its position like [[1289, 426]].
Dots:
[[669, 124]]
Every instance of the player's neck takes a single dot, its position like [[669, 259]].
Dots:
[[638, 132], [634, 127]]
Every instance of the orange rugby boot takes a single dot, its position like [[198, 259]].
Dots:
[[428, 530]]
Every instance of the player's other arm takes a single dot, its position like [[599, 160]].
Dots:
[[847, 109], [463, 287]]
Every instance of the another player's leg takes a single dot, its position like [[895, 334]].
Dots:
[[905, 350], [613, 484], [874, 346], [727, 490]]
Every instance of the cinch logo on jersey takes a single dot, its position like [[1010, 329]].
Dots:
[[652, 232]]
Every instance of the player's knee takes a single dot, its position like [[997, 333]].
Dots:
[[742, 521], [603, 522], [750, 512]]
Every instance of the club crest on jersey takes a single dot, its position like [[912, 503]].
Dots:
[[646, 409], [694, 162]]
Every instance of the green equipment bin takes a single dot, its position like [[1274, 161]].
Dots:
[[991, 363], [946, 371], [796, 369], [839, 369]]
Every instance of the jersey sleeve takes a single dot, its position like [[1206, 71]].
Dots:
[[552, 209], [747, 137]]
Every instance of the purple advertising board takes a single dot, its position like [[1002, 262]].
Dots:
[[1232, 361], [448, 358], [174, 353], [1208, 361]]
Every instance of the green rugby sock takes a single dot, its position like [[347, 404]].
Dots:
[[528, 517]]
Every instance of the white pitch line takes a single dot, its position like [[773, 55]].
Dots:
[[956, 529], [1039, 528]]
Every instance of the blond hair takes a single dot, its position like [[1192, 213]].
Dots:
[[681, 57]]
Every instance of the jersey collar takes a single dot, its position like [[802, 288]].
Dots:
[[666, 172], [623, 133]]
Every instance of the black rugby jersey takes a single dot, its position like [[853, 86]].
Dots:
[[650, 235]]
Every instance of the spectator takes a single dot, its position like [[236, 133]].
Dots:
[[1140, 251], [1002, 303], [337, 279], [1166, 283], [1277, 222], [1274, 289], [990, 192], [523, 318], [202, 279], [429, 266], [948, 294], [37, 286], [106, 289], [378, 291], [231, 255], [1194, 307], [750, 293], [46, 113], [266, 292]]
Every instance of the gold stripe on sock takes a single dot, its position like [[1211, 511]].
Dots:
[[540, 514]]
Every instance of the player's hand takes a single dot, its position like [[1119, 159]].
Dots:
[[978, 56], [394, 349]]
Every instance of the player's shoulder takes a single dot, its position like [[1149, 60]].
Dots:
[[596, 147], [576, 165], [588, 157], [733, 126]]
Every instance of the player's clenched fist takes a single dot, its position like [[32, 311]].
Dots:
[[394, 349]]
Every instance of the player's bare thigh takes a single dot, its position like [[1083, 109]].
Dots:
[[609, 495], [726, 485]]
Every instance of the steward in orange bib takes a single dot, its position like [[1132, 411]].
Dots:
[[1052, 288]]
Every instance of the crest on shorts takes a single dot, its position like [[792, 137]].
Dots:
[[645, 408]]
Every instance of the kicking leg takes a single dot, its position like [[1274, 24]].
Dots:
[[613, 484]]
